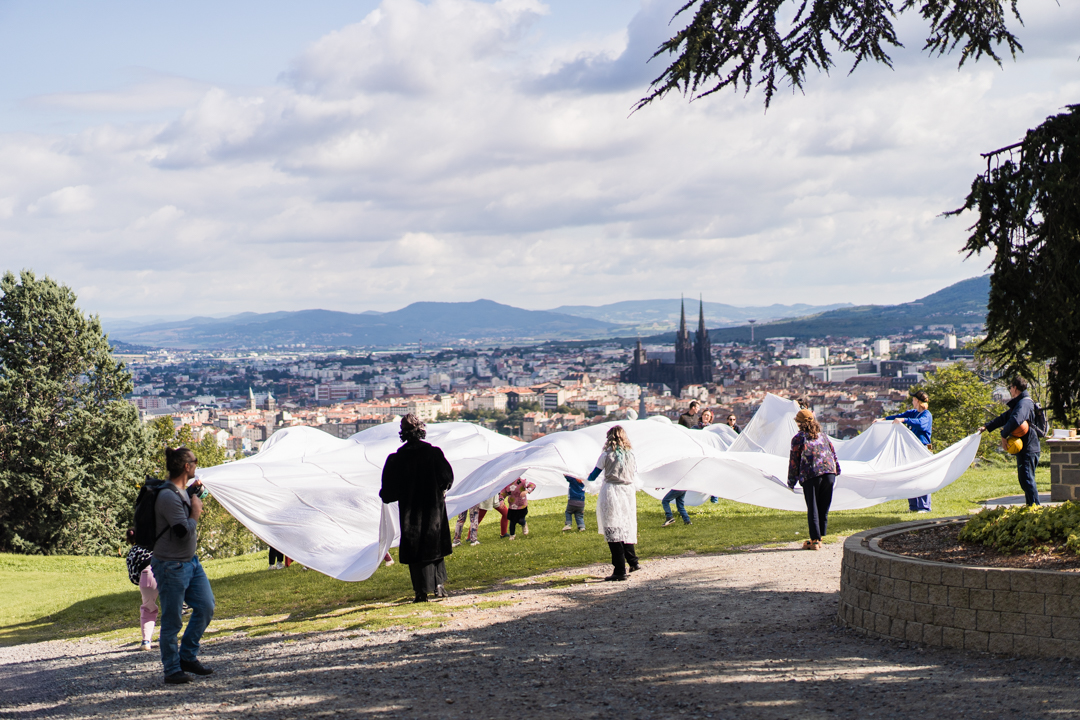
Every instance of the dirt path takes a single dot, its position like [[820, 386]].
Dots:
[[747, 635]]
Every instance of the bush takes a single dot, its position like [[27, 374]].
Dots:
[[1023, 529]]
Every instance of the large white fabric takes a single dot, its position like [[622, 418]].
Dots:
[[316, 497]]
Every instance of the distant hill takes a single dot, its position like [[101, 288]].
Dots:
[[428, 322], [660, 315], [964, 302]]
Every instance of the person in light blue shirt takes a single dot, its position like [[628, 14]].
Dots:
[[921, 423]]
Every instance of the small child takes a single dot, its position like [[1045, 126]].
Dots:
[[518, 494], [575, 503]]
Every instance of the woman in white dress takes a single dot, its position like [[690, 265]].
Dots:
[[616, 507]]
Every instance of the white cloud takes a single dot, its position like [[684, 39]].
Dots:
[[65, 201], [443, 151]]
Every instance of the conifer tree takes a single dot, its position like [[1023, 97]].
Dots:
[[72, 450], [1029, 220]]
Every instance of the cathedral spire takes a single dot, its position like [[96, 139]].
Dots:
[[682, 319], [701, 316]]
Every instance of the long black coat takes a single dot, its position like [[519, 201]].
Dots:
[[417, 477]]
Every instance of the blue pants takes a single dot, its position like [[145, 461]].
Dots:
[[1025, 471], [180, 582], [680, 504], [920, 503], [578, 513]]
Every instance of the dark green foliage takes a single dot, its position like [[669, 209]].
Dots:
[[1029, 217], [960, 402], [1022, 529], [72, 450], [739, 43]]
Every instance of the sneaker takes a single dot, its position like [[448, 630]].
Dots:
[[455, 543], [177, 678], [195, 667], [280, 566], [669, 521], [512, 537], [687, 522], [440, 592], [565, 528], [504, 536], [389, 562], [474, 543], [615, 578], [146, 645], [581, 529]]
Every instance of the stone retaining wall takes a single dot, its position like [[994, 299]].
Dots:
[[1000, 610], [1064, 469]]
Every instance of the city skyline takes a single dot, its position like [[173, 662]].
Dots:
[[262, 158]]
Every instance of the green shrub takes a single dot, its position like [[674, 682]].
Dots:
[[1022, 529]]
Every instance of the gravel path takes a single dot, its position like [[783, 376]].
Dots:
[[695, 636]]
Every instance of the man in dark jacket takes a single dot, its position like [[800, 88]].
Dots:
[[417, 478], [689, 418], [1021, 410]]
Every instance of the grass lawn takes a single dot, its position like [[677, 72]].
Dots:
[[46, 598]]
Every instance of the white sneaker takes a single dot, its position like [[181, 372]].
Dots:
[[281, 566], [512, 537], [474, 543], [146, 645], [565, 528], [455, 543]]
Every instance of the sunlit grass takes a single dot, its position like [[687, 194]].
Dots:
[[43, 598]]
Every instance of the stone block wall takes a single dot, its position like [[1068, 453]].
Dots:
[[1009, 611], [1064, 469]]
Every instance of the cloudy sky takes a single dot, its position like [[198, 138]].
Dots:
[[211, 158]]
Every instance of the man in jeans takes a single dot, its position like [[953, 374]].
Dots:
[[180, 577]]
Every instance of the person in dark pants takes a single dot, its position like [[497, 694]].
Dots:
[[814, 465], [616, 506], [1021, 412], [417, 478]]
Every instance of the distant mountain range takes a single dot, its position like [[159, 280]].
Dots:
[[964, 302], [484, 321], [427, 322], [659, 315]]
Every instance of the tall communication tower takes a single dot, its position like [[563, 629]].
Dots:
[[751, 330]]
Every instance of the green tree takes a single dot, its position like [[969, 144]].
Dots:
[[220, 534], [72, 450], [960, 402], [738, 43], [1029, 218]]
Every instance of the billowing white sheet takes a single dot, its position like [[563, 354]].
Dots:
[[316, 497]]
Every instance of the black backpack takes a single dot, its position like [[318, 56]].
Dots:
[[1039, 422], [146, 534]]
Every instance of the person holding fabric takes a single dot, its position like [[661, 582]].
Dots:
[[474, 515], [921, 423], [732, 422], [518, 494], [575, 503], [177, 571], [705, 420], [814, 465], [417, 477], [616, 506], [1021, 412]]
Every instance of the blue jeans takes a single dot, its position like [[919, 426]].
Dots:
[[577, 513], [680, 504], [180, 582], [1025, 472]]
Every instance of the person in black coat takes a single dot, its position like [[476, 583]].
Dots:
[[417, 478], [1021, 410]]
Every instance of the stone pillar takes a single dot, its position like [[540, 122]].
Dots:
[[1064, 468]]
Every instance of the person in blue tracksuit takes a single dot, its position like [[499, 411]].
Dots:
[[921, 423], [1021, 410]]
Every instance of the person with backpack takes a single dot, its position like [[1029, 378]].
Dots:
[[139, 573], [1025, 420], [177, 570], [813, 464]]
